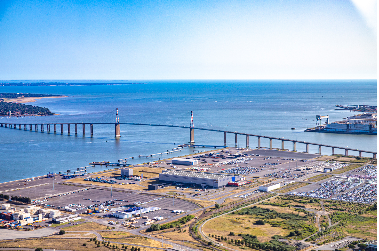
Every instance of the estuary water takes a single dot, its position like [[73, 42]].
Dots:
[[269, 108]]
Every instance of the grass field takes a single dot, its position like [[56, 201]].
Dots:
[[346, 169], [241, 224], [319, 177], [291, 187], [87, 226], [68, 244], [126, 238]]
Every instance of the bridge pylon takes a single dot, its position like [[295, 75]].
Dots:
[[192, 131], [117, 131]]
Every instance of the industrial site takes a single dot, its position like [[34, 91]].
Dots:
[[140, 199]]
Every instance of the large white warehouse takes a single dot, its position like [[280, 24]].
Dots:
[[269, 187], [214, 180], [187, 162]]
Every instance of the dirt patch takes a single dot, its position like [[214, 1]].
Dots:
[[87, 226]]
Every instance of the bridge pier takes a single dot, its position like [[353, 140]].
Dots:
[[307, 148], [294, 146], [270, 144], [374, 155], [76, 129], [346, 152], [224, 138], [319, 149], [192, 134], [68, 129], [91, 127], [55, 128], [247, 141], [24, 127], [360, 154], [42, 128], [6, 125], [235, 139], [61, 128], [36, 127], [48, 128], [282, 145], [84, 129], [19, 126], [259, 142], [30, 127], [333, 151]]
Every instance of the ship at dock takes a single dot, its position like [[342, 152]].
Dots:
[[365, 123]]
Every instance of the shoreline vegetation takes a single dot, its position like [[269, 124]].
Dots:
[[13, 104]]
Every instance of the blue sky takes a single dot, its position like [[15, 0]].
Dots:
[[205, 39]]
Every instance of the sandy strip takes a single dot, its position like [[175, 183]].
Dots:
[[28, 99], [6, 234]]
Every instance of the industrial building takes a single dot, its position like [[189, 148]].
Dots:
[[187, 162], [126, 172], [213, 180], [269, 187]]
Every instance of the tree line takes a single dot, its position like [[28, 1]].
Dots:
[[22, 110]]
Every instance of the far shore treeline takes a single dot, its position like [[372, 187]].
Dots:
[[8, 108]]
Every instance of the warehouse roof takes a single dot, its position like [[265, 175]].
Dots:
[[197, 174]]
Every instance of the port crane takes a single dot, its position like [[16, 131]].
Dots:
[[319, 119]]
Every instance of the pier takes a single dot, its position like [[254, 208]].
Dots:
[[191, 127]]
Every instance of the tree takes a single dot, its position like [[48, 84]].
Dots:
[[259, 222], [62, 232], [217, 205], [154, 227], [362, 246], [38, 249]]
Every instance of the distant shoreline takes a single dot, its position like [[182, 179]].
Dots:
[[69, 83], [23, 100]]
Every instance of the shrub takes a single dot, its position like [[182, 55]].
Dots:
[[259, 222], [62, 232]]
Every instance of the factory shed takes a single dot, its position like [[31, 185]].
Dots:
[[269, 187], [186, 162], [126, 172], [204, 179]]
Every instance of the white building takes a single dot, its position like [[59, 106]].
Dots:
[[126, 172], [213, 180], [67, 219], [5, 206], [269, 187], [187, 162]]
